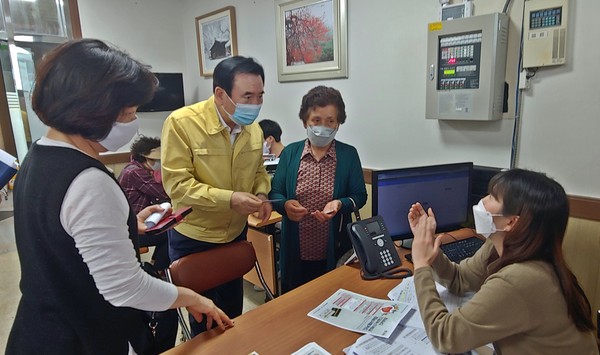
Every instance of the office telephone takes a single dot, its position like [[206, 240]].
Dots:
[[375, 250]]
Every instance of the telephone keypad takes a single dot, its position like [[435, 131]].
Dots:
[[386, 257]]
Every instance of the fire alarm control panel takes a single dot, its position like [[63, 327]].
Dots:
[[466, 62], [545, 33]]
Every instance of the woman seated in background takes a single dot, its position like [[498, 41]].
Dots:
[[142, 183], [527, 301], [141, 179], [319, 181], [82, 286]]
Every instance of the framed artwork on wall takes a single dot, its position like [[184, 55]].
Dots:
[[216, 36], [312, 39]]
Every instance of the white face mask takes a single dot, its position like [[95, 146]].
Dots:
[[120, 134], [484, 223], [156, 165], [266, 148]]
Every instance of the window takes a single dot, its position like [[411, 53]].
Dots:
[[39, 17], [28, 29]]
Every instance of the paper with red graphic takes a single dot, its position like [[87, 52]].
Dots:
[[359, 313]]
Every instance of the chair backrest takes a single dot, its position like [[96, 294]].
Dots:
[[205, 270]]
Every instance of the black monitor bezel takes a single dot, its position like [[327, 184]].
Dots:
[[169, 94], [375, 198]]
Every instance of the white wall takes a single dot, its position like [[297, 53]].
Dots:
[[561, 120], [385, 91], [149, 30]]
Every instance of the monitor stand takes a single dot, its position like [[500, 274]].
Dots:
[[406, 243]]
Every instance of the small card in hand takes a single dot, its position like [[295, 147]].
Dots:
[[169, 222]]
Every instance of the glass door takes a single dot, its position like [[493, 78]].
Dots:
[[14, 108], [28, 29]]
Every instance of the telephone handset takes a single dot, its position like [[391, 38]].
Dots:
[[375, 249]]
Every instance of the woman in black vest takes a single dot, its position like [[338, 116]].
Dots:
[[83, 290]]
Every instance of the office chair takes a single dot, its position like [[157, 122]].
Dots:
[[208, 269]]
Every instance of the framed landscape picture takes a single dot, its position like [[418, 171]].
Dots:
[[216, 36]]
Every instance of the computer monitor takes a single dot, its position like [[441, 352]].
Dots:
[[444, 188], [480, 180], [168, 95]]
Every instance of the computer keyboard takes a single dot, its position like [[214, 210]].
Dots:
[[462, 249]]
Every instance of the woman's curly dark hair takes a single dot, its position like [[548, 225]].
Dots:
[[142, 146]]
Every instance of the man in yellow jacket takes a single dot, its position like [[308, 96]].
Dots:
[[212, 161]]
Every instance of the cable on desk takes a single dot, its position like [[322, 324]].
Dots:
[[451, 236], [398, 272]]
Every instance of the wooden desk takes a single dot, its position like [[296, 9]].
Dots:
[[282, 326]]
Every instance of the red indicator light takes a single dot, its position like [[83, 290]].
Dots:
[[452, 61]]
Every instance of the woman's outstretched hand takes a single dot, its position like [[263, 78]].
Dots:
[[425, 247], [199, 307], [206, 307]]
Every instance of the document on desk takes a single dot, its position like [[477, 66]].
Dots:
[[409, 337], [359, 313], [311, 349], [405, 292], [404, 341]]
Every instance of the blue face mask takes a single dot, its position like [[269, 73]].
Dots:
[[244, 114], [320, 136]]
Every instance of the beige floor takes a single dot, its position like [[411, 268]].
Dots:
[[10, 275]]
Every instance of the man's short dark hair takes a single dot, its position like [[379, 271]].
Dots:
[[83, 85], [142, 146], [271, 128], [227, 69]]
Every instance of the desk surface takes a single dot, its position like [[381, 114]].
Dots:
[[282, 326]]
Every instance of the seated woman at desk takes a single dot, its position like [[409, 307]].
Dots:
[[319, 181], [527, 301], [142, 183]]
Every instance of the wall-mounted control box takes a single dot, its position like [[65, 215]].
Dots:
[[545, 33], [466, 65], [455, 11]]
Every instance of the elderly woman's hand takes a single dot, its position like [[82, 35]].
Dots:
[[294, 210]]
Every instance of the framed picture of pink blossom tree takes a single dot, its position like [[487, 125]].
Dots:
[[312, 39]]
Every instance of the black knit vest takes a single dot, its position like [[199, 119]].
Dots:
[[61, 310]]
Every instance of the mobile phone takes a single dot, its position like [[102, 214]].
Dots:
[[170, 221]]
